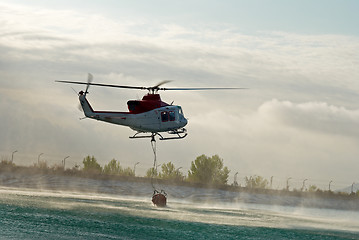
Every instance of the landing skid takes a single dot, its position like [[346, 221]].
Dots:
[[182, 133]]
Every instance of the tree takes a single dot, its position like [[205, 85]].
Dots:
[[312, 188], [152, 172], [256, 182], [41, 165], [91, 165], [169, 172], [112, 168], [57, 167], [128, 172], [208, 170], [5, 162]]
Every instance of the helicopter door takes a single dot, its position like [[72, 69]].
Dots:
[[164, 120], [168, 116], [168, 119], [171, 116]]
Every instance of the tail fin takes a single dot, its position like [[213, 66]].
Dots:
[[89, 112]]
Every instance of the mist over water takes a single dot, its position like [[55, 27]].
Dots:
[[58, 207]]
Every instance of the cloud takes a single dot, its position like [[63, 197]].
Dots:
[[283, 139], [313, 116], [220, 52]]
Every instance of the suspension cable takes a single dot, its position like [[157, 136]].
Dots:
[[153, 144]]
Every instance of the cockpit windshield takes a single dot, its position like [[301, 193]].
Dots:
[[180, 111]]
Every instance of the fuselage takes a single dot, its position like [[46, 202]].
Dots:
[[147, 115]]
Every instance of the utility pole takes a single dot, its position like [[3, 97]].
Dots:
[[64, 161], [134, 168], [288, 183], [12, 156], [271, 182], [330, 184], [235, 183], [38, 159], [177, 173], [303, 184], [352, 192]]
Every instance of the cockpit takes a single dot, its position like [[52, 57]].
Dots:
[[173, 114], [180, 113]]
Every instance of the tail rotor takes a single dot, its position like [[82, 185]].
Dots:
[[89, 81]]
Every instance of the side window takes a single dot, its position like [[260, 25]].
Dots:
[[172, 115], [132, 105], [164, 116]]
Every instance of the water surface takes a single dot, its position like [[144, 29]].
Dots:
[[44, 214]]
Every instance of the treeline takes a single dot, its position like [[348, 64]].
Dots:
[[209, 170], [91, 166], [204, 171]]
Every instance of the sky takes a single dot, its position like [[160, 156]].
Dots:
[[299, 60]]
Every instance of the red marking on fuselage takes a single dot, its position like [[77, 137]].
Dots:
[[149, 102]]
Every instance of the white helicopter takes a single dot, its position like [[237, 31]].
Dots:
[[149, 115]]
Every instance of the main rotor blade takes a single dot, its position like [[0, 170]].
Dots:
[[151, 88], [199, 89], [102, 85]]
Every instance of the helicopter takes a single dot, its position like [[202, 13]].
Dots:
[[149, 117]]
